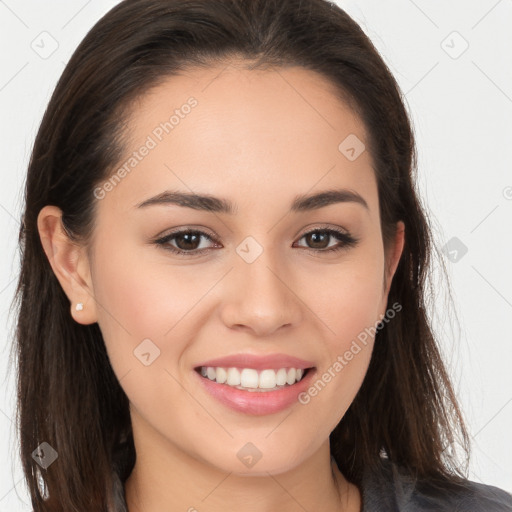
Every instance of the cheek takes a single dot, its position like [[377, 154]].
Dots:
[[138, 289], [349, 298], [145, 309], [139, 300], [347, 303]]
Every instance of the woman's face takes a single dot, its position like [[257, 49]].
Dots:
[[253, 281]]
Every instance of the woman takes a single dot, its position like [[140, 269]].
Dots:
[[222, 223]]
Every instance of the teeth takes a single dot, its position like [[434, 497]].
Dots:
[[221, 375], [233, 377], [252, 380]]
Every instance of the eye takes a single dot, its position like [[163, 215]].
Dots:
[[189, 241], [319, 236]]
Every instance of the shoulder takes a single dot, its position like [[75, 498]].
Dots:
[[389, 488]]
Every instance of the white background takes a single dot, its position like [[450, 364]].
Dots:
[[461, 107]]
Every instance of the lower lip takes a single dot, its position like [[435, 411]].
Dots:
[[257, 402]]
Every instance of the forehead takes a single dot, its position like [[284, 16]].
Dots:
[[253, 100], [259, 133]]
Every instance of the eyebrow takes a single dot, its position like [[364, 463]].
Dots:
[[209, 203]]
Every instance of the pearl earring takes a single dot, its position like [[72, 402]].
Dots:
[[80, 306]]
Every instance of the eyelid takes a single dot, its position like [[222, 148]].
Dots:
[[345, 238], [213, 236], [164, 240], [190, 227]]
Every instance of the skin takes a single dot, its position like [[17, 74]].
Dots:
[[257, 138]]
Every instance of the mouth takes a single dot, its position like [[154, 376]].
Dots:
[[250, 379], [254, 391]]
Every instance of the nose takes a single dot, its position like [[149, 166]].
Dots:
[[260, 297]]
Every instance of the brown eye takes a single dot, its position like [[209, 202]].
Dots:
[[187, 241], [318, 240]]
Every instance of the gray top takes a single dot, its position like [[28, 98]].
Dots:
[[390, 489]]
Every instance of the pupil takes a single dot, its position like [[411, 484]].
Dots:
[[187, 236], [317, 235]]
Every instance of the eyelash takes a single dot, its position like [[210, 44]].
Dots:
[[347, 241]]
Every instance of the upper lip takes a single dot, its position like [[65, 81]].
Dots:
[[275, 361]]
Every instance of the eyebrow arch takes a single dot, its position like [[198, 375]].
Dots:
[[300, 203]]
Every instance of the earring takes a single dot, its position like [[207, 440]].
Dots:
[[79, 306]]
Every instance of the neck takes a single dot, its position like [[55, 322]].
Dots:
[[176, 481]]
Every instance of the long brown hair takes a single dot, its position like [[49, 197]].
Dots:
[[68, 394]]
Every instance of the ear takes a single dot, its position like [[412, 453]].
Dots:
[[392, 258], [69, 262]]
